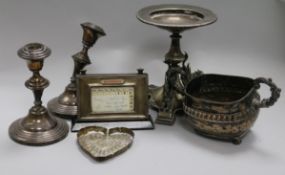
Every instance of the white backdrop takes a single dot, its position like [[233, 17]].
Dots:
[[248, 40]]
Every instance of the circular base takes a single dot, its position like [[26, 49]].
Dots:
[[21, 135], [176, 17], [63, 111]]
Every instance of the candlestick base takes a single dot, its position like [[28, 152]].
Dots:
[[65, 105], [38, 136], [62, 110]]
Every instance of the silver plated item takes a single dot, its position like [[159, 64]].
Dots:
[[39, 127], [226, 107], [113, 100], [174, 18], [102, 143], [65, 105]]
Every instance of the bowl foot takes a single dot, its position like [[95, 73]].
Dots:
[[236, 140]]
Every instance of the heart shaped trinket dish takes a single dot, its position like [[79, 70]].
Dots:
[[102, 143]]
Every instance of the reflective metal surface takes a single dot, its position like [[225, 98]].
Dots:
[[38, 127], [113, 100], [102, 143], [175, 18], [225, 107], [65, 105]]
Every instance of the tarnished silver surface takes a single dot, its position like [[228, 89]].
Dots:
[[23, 135], [102, 143], [226, 107], [116, 92], [176, 16], [65, 105], [39, 127], [61, 109]]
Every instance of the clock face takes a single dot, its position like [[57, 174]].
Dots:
[[112, 99]]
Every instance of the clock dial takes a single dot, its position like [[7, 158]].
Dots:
[[112, 99]]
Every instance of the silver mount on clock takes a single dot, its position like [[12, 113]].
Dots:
[[113, 100]]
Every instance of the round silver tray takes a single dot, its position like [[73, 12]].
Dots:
[[176, 16]]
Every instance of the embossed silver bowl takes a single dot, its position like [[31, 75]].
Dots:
[[225, 107]]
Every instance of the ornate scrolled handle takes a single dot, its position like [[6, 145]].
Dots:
[[275, 92]]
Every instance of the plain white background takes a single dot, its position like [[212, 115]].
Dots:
[[247, 40]]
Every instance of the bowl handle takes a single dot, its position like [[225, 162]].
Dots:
[[275, 92]]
